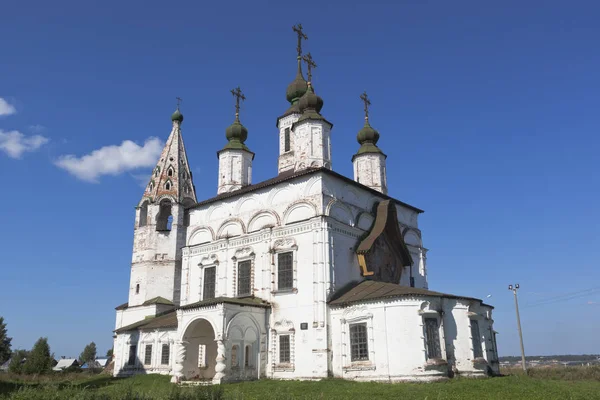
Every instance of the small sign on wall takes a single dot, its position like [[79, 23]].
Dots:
[[304, 326]]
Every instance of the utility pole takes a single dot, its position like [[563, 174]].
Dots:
[[514, 290]]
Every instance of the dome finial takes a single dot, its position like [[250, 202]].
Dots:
[[310, 101], [367, 137], [365, 98], [236, 133], [237, 93], [298, 87], [177, 115]]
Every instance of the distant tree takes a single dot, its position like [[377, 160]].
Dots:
[[16, 361], [5, 351], [88, 354], [109, 353], [39, 360]]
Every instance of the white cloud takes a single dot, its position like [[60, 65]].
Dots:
[[37, 128], [5, 108], [592, 302], [112, 160], [14, 143]]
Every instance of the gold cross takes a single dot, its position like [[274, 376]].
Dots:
[[301, 35], [367, 102], [237, 93], [310, 64]]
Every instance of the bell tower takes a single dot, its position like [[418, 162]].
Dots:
[[161, 224]]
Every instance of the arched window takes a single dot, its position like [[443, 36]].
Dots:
[[247, 356], [234, 356], [151, 187], [164, 219], [168, 185], [156, 171], [170, 171], [137, 289], [286, 140], [144, 214]]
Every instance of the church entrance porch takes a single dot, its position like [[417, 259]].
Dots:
[[221, 339]]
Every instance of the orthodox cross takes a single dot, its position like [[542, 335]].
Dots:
[[301, 35], [310, 64], [179, 100], [237, 93], [367, 102]]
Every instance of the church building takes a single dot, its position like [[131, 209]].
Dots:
[[307, 275]]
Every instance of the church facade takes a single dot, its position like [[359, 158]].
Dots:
[[307, 275]]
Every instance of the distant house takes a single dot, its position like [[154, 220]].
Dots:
[[99, 363], [65, 363], [4, 367]]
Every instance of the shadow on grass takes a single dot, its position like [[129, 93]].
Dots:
[[94, 383]]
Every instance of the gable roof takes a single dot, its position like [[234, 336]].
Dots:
[[158, 300], [374, 290], [290, 175], [65, 363], [241, 301]]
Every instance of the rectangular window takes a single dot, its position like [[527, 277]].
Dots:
[[132, 355], [476, 337], [202, 356], [164, 357], [286, 140], [359, 348], [208, 291], [244, 281], [284, 349], [285, 271], [433, 338], [247, 357], [148, 355]]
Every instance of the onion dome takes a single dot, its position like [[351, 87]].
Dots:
[[177, 116], [367, 138], [297, 88], [310, 101], [236, 135], [367, 134]]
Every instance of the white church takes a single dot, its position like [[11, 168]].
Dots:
[[307, 275]]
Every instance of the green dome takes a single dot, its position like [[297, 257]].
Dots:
[[297, 88], [310, 101], [177, 116], [367, 134], [236, 131]]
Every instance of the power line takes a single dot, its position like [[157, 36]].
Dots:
[[564, 297]]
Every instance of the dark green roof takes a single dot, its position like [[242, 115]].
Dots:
[[166, 320], [158, 300], [122, 306], [241, 301], [374, 290]]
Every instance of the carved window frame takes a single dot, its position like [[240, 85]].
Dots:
[[427, 311], [208, 262], [284, 246], [241, 255], [281, 328], [351, 316]]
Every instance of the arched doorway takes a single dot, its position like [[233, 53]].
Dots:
[[201, 351]]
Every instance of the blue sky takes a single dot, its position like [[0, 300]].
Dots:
[[487, 111]]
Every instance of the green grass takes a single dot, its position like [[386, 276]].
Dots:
[[154, 387]]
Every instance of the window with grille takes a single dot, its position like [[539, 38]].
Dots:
[[202, 356], [132, 351], [234, 356], [244, 281], [285, 271], [286, 140], [164, 357], [476, 337], [432, 332], [284, 349], [359, 348], [148, 355], [208, 291]]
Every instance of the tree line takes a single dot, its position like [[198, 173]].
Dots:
[[39, 359]]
